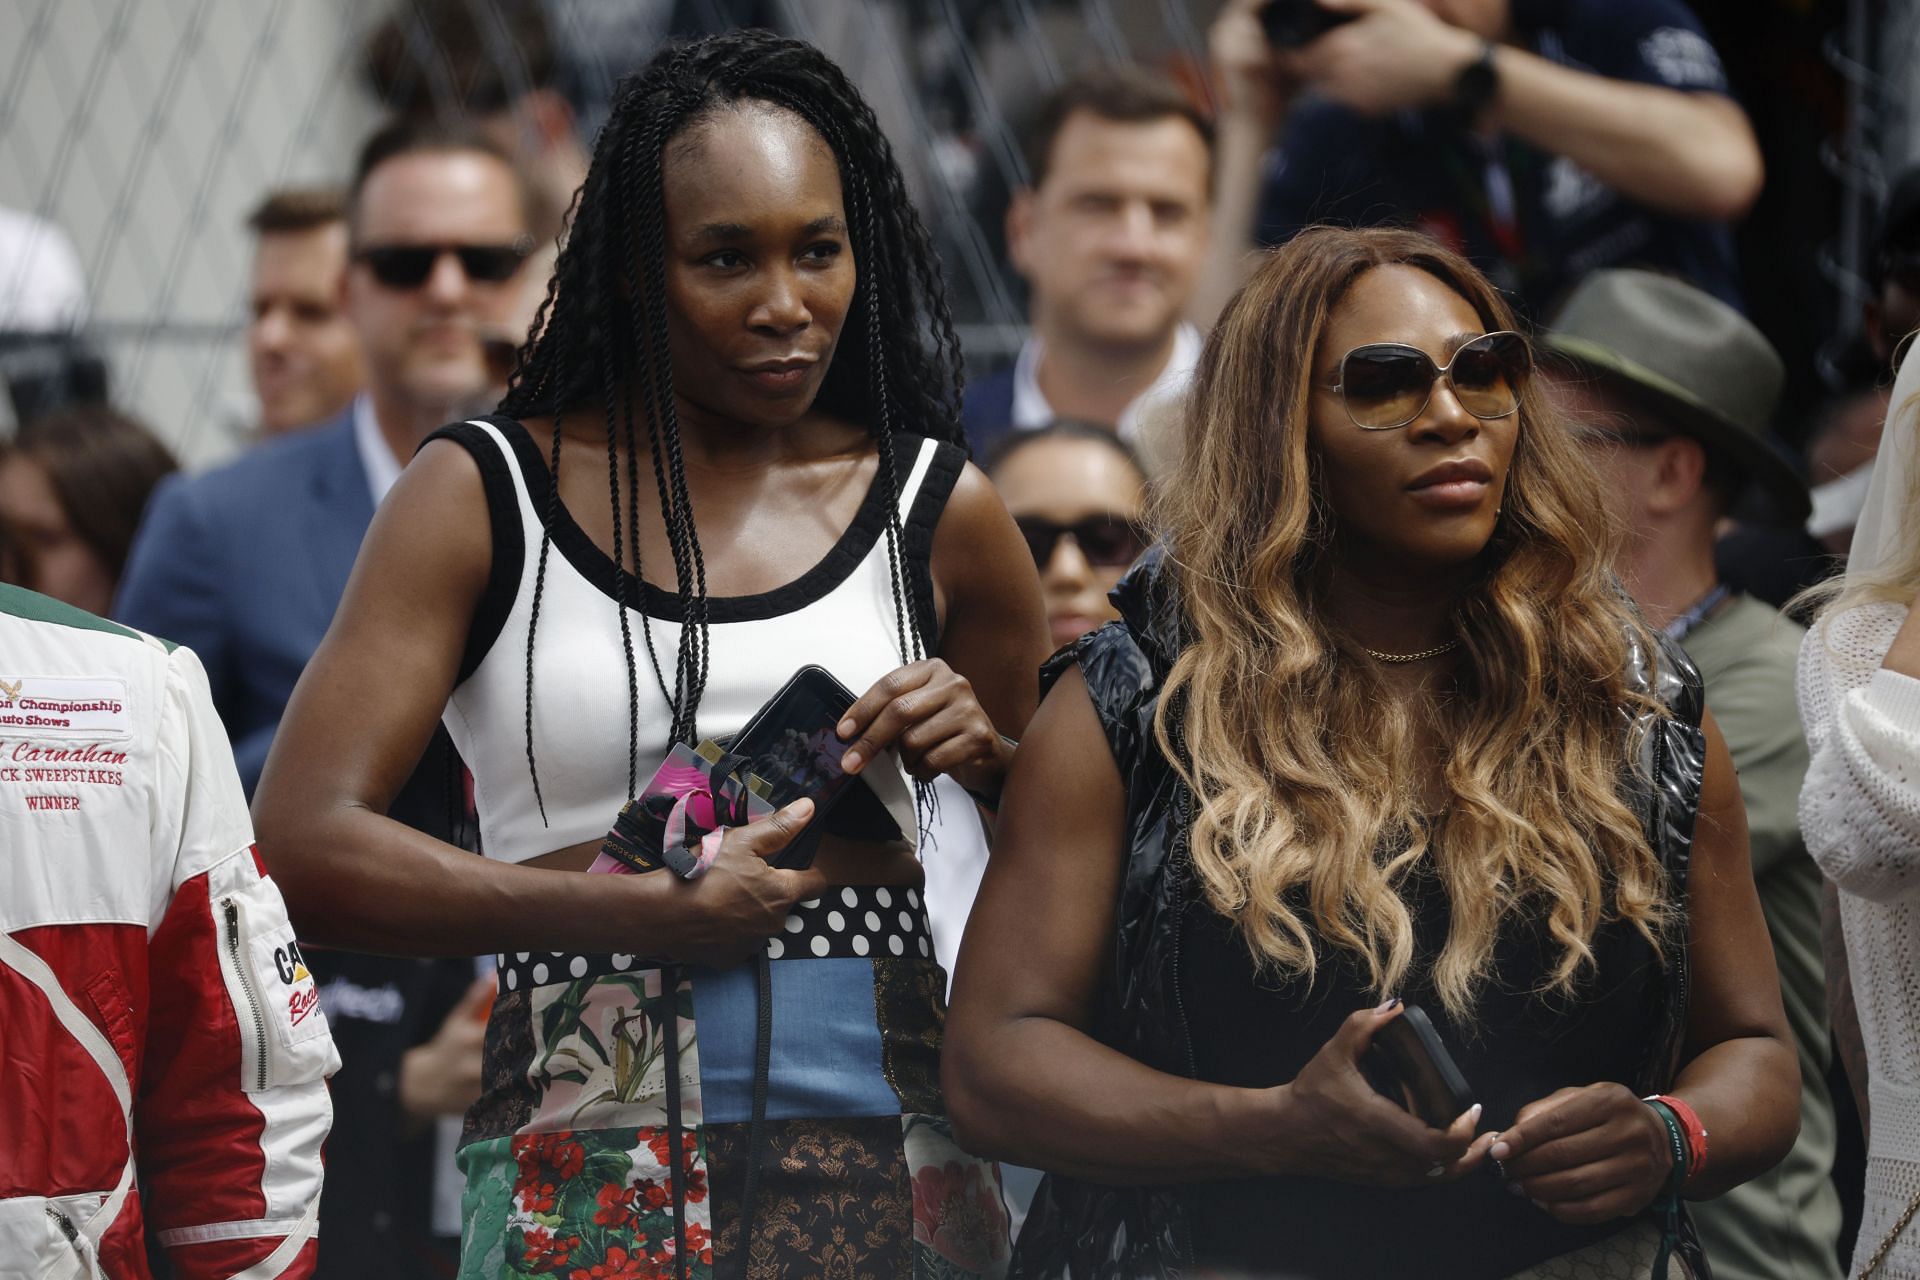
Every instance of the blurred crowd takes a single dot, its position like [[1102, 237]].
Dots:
[[1592, 157]]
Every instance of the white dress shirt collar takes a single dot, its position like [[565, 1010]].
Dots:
[[1030, 407], [376, 455]]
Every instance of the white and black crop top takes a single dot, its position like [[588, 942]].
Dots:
[[839, 615]]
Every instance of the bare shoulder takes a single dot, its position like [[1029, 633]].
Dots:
[[974, 512], [1719, 783], [977, 550], [434, 522]]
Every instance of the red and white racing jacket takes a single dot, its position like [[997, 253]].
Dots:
[[152, 1000]]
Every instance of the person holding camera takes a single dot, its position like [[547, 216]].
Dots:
[[1543, 139], [1376, 726]]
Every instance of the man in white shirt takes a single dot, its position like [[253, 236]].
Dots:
[[1110, 234]]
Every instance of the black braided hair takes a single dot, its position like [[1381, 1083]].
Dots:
[[600, 333]]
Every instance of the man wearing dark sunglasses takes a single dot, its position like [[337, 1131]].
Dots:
[[246, 565], [246, 562], [1672, 391], [439, 234]]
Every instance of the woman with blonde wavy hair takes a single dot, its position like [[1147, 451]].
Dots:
[[1376, 728], [1859, 685]]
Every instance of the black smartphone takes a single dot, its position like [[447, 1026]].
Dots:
[[1408, 1063], [1292, 23], [792, 745]]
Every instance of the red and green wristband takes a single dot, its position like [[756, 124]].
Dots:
[[1691, 1130]]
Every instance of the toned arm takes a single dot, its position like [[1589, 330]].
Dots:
[[357, 724], [1739, 1068], [995, 628], [1592, 1153], [957, 712], [1024, 1079]]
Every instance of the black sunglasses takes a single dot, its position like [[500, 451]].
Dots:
[[1388, 384], [1107, 541], [407, 266]]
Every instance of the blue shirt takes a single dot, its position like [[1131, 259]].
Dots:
[[1535, 222]]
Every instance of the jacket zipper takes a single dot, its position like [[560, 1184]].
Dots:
[[232, 910], [74, 1239], [67, 1229], [1176, 855], [1178, 895], [1182, 817], [1683, 961]]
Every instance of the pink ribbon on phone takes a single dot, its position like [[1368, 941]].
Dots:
[[700, 819]]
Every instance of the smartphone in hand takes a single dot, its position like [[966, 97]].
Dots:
[[1408, 1063], [791, 743]]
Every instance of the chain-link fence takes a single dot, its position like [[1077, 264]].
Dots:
[[141, 132], [1873, 52]]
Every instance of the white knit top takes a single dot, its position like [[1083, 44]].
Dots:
[[1860, 813], [839, 615]]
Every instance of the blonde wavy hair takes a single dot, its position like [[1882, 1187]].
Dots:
[[1308, 817], [1896, 579]]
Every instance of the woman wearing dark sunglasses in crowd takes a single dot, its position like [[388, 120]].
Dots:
[[1377, 728], [731, 450], [1078, 494]]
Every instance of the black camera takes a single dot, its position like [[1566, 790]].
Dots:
[[1292, 23]]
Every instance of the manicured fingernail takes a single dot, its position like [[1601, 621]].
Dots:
[[1500, 1151], [1473, 1113], [850, 762], [845, 728], [1387, 1004]]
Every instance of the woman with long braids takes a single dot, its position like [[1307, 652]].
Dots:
[[732, 450], [1376, 729]]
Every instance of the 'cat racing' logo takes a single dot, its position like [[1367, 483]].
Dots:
[[292, 968]]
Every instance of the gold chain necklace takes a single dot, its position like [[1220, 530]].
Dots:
[[1421, 656]]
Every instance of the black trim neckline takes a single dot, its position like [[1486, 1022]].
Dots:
[[923, 518], [508, 559], [597, 567]]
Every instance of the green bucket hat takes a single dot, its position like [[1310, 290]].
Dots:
[[1699, 363]]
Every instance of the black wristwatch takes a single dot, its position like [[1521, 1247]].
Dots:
[[1474, 87]]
